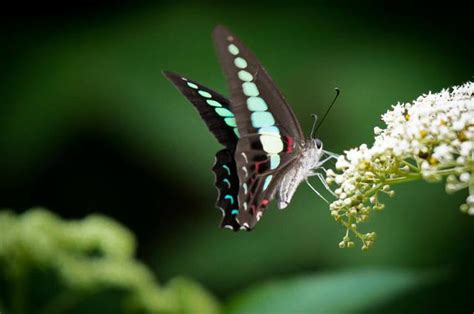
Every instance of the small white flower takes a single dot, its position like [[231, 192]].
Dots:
[[430, 138], [464, 177]]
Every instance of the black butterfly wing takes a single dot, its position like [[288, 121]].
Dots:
[[216, 112], [271, 136], [227, 184], [214, 108]]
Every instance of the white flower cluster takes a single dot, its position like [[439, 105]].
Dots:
[[430, 138]]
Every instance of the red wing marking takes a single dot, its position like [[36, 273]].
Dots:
[[289, 147]]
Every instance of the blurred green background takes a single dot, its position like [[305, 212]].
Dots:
[[89, 125]]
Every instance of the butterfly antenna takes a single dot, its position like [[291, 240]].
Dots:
[[327, 111]]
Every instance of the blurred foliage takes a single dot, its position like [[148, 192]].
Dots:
[[356, 291], [52, 266]]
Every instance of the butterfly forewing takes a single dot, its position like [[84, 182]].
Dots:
[[270, 133], [256, 101]]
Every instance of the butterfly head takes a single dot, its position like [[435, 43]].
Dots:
[[318, 144], [312, 153]]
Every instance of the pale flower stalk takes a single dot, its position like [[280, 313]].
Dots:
[[429, 139]]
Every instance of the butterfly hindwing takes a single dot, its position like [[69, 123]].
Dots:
[[259, 175], [227, 184], [214, 108]]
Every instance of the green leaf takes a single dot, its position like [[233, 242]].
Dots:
[[84, 266], [347, 291]]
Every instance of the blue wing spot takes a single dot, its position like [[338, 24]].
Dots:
[[236, 131], [223, 112], [233, 49], [240, 63], [192, 85], [256, 104], [230, 122], [227, 181], [204, 94], [262, 119], [234, 212], [267, 182], [250, 89], [213, 103], [274, 161], [230, 197], [226, 168], [245, 76]]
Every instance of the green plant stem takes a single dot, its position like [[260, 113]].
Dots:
[[411, 166], [349, 227], [409, 177]]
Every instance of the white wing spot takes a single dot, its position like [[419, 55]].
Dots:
[[222, 210], [245, 156], [245, 170]]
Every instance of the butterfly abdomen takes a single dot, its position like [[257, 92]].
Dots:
[[306, 163]]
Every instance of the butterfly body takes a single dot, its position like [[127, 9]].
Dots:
[[265, 154], [304, 167]]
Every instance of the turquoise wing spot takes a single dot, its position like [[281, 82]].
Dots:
[[234, 212], [256, 104], [230, 122], [204, 94], [226, 168], [267, 182], [245, 76], [227, 181], [192, 85], [229, 197], [272, 130], [233, 49], [240, 63], [223, 112], [236, 131], [262, 119], [250, 89], [274, 161], [213, 103]]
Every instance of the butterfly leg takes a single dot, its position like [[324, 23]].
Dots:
[[323, 181], [319, 164], [315, 191], [334, 155]]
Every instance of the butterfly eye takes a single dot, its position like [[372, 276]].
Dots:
[[319, 144]]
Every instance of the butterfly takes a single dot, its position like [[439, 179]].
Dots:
[[265, 154]]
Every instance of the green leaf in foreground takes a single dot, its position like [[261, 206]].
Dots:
[[348, 291], [50, 265]]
